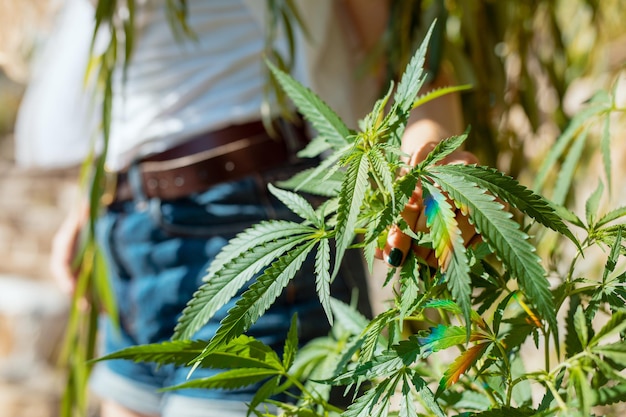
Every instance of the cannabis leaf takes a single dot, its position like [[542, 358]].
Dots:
[[245, 255], [504, 237], [512, 192], [449, 247], [466, 360], [350, 201], [260, 295], [328, 125]]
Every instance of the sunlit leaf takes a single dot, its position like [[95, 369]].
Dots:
[[322, 117], [568, 168], [261, 294], [322, 277], [350, 201], [439, 92], [449, 247], [512, 192], [505, 239], [614, 351], [296, 203], [592, 204], [245, 255], [231, 379], [291, 343], [443, 337], [615, 325], [465, 361]]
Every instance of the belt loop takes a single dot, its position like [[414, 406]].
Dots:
[[135, 181]]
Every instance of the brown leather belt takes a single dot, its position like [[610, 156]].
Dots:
[[208, 159]]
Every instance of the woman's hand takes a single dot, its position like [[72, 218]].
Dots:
[[428, 125], [64, 246]]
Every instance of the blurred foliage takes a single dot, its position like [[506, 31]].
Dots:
[[521, 56]]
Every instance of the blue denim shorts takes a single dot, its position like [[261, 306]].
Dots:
[[157, 254]]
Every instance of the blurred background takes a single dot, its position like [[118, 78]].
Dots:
[[533, 65], [32, 205]]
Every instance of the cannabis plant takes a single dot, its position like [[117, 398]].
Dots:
[[453, 339]]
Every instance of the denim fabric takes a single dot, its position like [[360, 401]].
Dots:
[[158, 253]]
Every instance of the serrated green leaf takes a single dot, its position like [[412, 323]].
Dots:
[[567, 215], [254, 236], [242, 352], [409, 287], [439, 92], [614, 351], [382, 366], [461, 364], [611, 261], [261, 294], [499, 312], [267, 390], [505, 239], [367, 405], [512, 192], [350, 201], [381, 168], [231, 379], [314, 148], [583, 390], [403, 189], [449, 247], [615, 325], [322, 277], [568, 168], [329, 187], [610, 216], [238, 262], [372, 332], [325, 170], [605, 147], [296, 203], [447, 305], [322, 117], [407, 407], [442, 337], [348, 317], [413, 76], [610, 395], [291, 343], [443, 149], [427, 395], [581, 327], [593, 203], [573, 344], [178, 352]]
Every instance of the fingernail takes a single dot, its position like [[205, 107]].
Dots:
[[395, 257]]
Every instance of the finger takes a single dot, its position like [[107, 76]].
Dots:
[[459, 157], [421, 151], [398, 244], [64, 244], [467, 229]]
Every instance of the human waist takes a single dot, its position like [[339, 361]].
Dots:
[[207, 159]]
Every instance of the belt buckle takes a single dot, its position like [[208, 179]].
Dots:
[[110, 188]]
